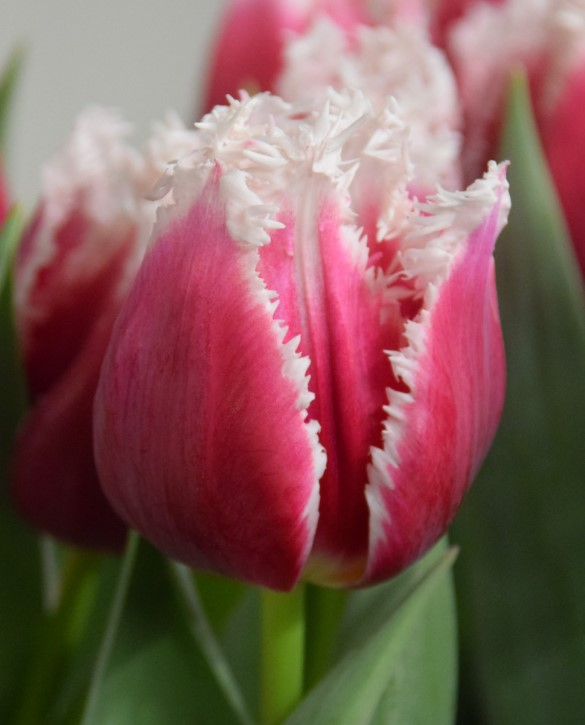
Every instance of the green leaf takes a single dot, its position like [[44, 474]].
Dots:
[[521, 579], [205, 639], [7, 85], [12, 391], [155, 674], [111, 630], [382, 675], [20, 596]]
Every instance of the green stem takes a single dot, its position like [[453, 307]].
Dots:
[[111, 631], [325, 609], [283, 653], [59, 637]]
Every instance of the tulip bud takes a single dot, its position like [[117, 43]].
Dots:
[[73, 270], [284, 395]]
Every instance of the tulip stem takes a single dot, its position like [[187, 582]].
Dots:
[[283, 653], [325, 609]]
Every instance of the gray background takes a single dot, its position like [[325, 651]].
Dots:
[[142, 58]]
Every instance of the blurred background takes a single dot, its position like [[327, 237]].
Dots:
[[140, 58]]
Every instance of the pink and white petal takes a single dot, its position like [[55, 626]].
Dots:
[[248, 51], [438, 433], [201, 437], [67, 279], [336, 304]]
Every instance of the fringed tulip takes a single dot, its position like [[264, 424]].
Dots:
[[4, 197], [547, 39], [282, 396], [73, 269], [248, 53], [381, 62]]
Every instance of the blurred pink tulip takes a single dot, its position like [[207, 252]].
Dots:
[[284, 396], [547, 39], [74, 266], [248, 53], [384, 62]]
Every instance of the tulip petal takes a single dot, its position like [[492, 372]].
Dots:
[[72, 271], [55, 484], [248, 53], [200, 432], [564, 144], [400, 62], [337, 306], [65, 309], [438, 433]]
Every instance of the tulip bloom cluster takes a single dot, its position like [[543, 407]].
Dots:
[[302, 384]]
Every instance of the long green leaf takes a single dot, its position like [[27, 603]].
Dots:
[[111, 631], [372, 682], [207, 642], [7, 86], [521, 578], [20, 600], [12, 390], [155, 675]]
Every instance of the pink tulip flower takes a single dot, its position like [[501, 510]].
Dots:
[[73, 270], [248, 53], [282, 396], [547, 39]]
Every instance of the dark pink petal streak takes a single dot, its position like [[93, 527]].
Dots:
[[345, 326], [199, 440]]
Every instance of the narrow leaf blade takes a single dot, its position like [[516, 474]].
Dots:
[[364, 686], [521, 581]]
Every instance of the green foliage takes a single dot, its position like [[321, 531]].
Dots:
[[8, 82], [521, 581], [20, 593], [397, 656]]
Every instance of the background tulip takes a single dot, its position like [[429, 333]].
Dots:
[[74, 266], [283, 397], [548, 40], [381, 61], [248, 52]]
